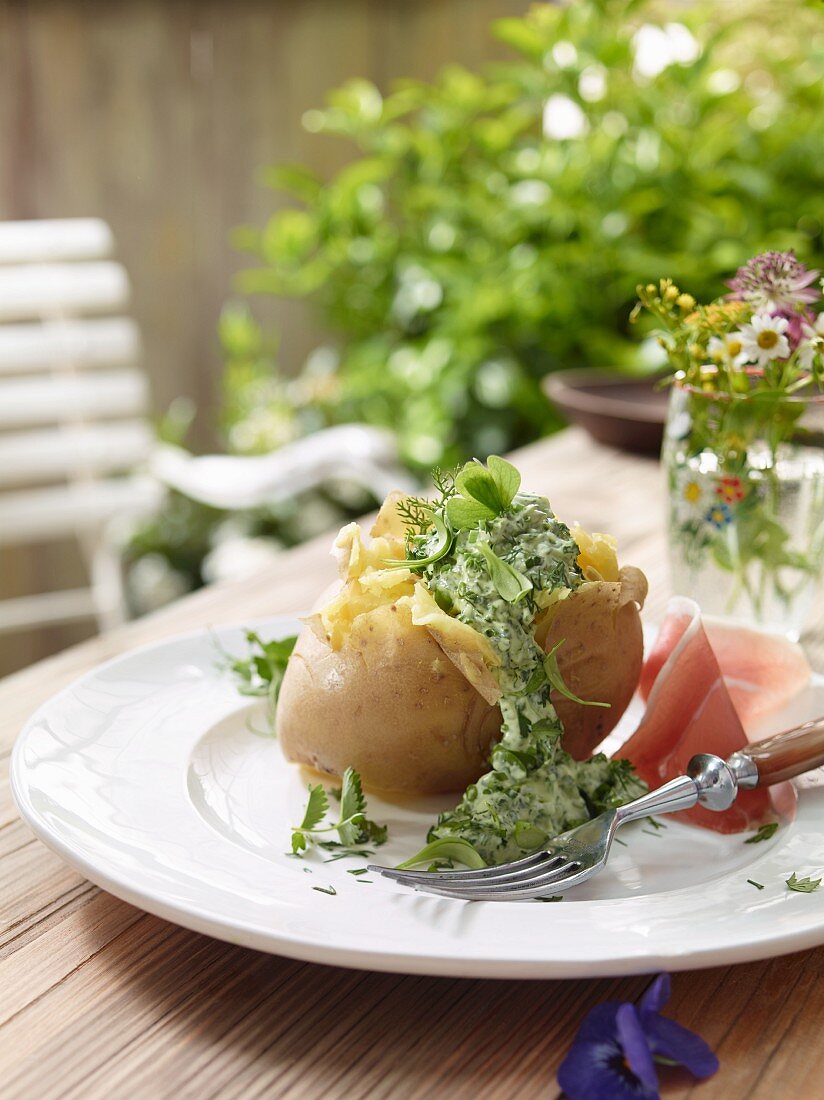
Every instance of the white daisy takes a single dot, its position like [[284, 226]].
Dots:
[[813, 342], [763, 339], [727, 349]]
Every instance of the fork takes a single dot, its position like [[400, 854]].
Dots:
[[577, 855]]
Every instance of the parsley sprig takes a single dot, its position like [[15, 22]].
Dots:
[[261, 671], [764, 833], [353, 826], [803, 885]]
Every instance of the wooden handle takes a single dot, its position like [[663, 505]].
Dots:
[[788, 754]]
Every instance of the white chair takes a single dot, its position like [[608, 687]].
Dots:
[[73, 409], [77, 451]]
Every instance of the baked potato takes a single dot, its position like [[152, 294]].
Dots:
[[382, 679]]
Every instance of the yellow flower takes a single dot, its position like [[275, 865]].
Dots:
[[685, 302], [692, 492]]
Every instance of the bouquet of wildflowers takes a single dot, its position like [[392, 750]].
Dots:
[[763, 336], [744, 456]]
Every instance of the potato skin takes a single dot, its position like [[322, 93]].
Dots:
[[389, 703], [601, 658]]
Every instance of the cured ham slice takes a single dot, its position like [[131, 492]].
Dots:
[[691, 710], [762, 671]]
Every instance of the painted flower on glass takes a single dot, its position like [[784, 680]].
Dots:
[[728, 350], [763, 339], [692, 492], [719, 515], [774, 280], [730, 489], [615, 1051]]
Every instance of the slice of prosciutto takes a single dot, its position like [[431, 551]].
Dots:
[[693, 698], [762, 671]]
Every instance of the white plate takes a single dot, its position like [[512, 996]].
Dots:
[[147, 776]]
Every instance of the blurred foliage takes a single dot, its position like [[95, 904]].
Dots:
[[492, 227], [466, 251]]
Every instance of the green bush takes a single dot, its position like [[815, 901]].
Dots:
[[464, 253]]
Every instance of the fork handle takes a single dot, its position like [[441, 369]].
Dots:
[[780, 757]]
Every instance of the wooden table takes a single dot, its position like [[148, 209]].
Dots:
[[98, 999]]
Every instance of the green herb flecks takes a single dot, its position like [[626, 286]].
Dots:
[[757, 885], [803, 885], [763, 833], [326, 890]]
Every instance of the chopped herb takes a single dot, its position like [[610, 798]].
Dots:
[[557, 897], [326, 890], [649, 832], [803, 885], [757, 885], [655, 823], [316, 809], [366, 880], [357, 871], [764, 833], [623, 843], [335, 792]]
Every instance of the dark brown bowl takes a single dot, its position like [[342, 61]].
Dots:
[[627, 413]]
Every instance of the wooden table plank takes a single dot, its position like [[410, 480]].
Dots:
[[100, 1000]]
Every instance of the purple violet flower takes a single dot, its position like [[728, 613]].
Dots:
[[774, 281], [614, 1053]]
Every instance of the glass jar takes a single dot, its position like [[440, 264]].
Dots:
[[745, 474]]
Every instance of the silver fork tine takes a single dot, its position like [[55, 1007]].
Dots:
[[484, 874], [560, 879]]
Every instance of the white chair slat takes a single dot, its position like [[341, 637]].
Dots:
[[45, 608], [48, 400], [54, 239], [53, 454], [34, 346], [40, 514], [40, 290]]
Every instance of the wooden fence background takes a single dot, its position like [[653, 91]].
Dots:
[[156, 115]]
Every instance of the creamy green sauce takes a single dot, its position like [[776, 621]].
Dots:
[[534, 790]]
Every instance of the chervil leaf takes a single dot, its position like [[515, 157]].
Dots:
[[510, 585], [553, 674], [461, 851], [764, 833], [803, 885]]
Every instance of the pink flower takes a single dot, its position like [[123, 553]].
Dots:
[[774, 281]]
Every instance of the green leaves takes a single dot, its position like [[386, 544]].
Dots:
[[353, 826], [553, 674], [484, 492], [261, 672], [316, 810], [442, 548], [764, 833], [803, 885], [510, 585], [446, 848]]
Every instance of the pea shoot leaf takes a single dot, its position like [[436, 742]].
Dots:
[[446, 848], [510, 585], [506, 477], [553, 674]]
